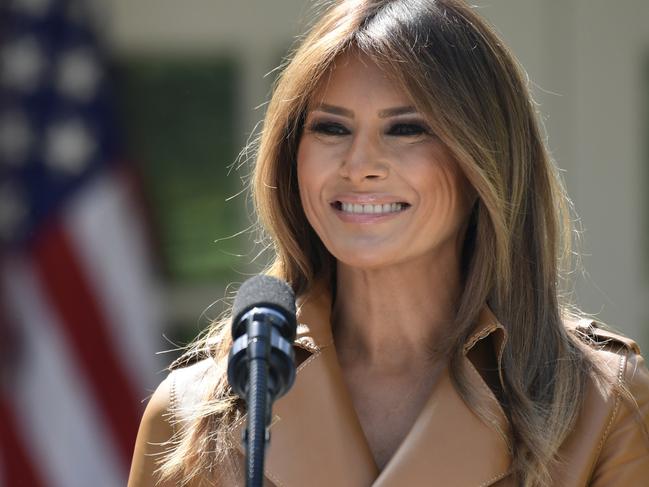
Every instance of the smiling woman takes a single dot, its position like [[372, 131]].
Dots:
[[414, 209]]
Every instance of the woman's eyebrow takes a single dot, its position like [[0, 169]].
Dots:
[[335, 110], [388, 112], [393, 112]]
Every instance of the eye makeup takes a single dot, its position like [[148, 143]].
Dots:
[[396, 128]]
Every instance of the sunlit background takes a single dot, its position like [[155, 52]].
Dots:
[[122, 220]]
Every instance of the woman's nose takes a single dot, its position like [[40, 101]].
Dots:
[[363, 161]]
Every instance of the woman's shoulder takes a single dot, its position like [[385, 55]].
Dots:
[[172, 403], [615, 413], [189, 385], [617, 357], [155, 432], [183, 388], [600, 336]]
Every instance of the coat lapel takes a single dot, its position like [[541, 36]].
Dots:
[[317, 440]]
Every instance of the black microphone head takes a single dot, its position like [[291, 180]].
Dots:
[[265, 292]]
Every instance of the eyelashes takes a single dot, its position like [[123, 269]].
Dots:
[[328, 128], [408, 129], [398, 129]]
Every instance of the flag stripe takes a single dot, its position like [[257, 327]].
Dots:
[[19, 468], [55, 411], [102, 220], [86, 331]]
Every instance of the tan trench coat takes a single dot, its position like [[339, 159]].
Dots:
[[317, 440]]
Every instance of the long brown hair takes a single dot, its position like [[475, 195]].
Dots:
[[474, 95]]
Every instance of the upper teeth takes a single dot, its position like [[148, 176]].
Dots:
[[384, 208]]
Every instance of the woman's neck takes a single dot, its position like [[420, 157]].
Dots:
[[388, 317]]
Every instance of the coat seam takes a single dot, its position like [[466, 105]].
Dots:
[[173, 400], [479, 336], [494, 479], [308, 361], [600, 446], [275, 480]]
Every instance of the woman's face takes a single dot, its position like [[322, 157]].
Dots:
[[376, 185]]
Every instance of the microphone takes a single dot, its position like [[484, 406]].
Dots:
[[261, 364]]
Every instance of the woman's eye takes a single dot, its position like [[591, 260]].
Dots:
[[329, 128], [407, 129]]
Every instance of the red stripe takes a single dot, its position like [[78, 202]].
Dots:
[[18, 467], [85, 328]]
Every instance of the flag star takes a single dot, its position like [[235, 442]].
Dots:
[[22, 64], [78, 74], [13, 211], [16, 137], [33, 7], [69, 145]]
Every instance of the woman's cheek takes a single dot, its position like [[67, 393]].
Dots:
[[309, 170]]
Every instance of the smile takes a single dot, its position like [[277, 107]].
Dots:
[[369, 209]]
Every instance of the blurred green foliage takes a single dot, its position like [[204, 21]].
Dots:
[[179, 115]]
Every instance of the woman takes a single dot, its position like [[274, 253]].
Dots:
[[412, 206]]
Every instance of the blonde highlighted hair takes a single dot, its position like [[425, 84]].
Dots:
[[475, 97]]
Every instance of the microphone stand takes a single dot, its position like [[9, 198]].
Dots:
[[259, 401], [261, 369]]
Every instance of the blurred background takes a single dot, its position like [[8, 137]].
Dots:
[[122, 220]]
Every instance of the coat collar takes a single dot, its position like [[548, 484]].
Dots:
[[317, 439]]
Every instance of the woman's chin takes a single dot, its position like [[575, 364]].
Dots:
[[368, 260]]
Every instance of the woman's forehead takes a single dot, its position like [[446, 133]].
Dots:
[[352, 73]]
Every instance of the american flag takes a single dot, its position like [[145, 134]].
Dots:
[[79, 314]]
